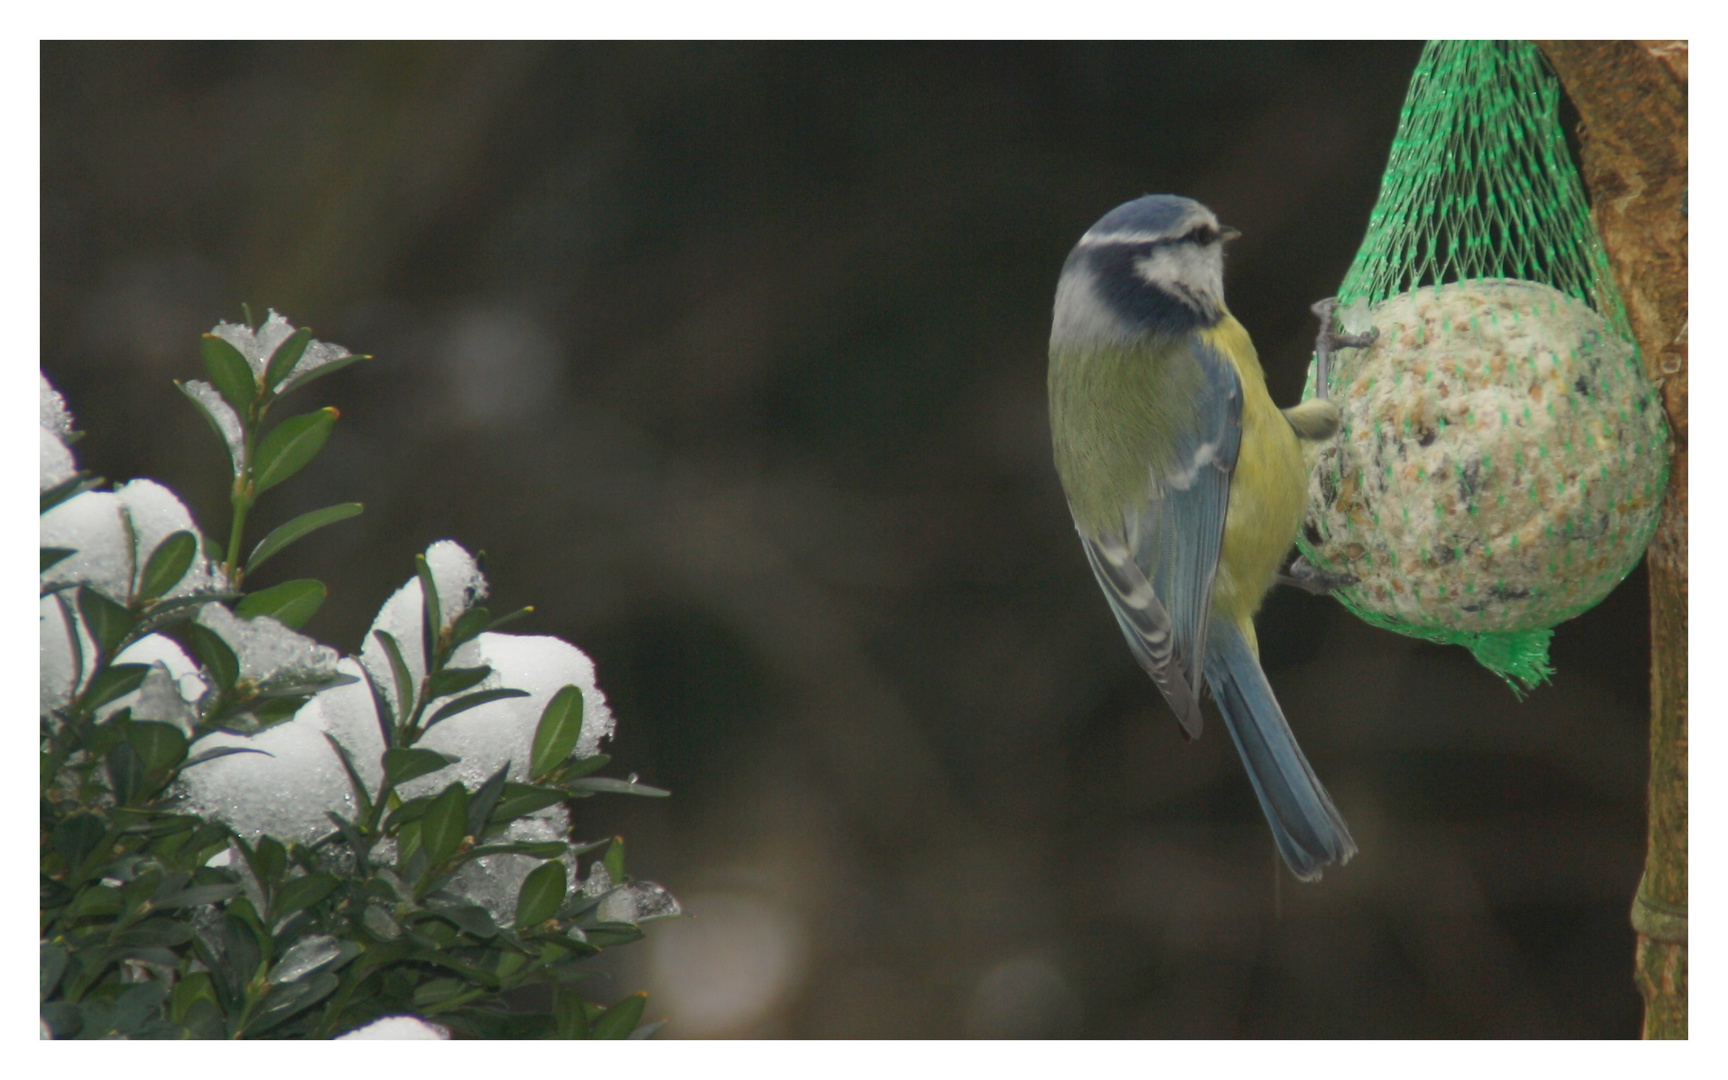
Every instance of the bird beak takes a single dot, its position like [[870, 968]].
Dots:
[[1227, 234]]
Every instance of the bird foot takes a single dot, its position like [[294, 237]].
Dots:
[[1309, 578], [1329, 339]]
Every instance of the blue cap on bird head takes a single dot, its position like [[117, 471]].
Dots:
[[1152, 217]]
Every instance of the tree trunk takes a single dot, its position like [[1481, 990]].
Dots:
[[1631, 97]]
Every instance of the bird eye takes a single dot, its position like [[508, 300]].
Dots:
[[1202, 234]]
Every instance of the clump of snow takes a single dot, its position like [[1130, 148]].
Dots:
[[270, 654], [487, 737], [227, 420], [288, 793], [114, 534], [494, 881], [258, 346], [56, 464], [457, 577], [55, 416], [398, 1027], [64, 648], [168, 691], [638, 902]]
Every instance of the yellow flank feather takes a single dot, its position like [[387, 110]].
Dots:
[[1267, 493]]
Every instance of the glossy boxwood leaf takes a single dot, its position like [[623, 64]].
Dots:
[[484, 800], [107, 622], [164, 933], [454, 680], [114, 682], [539, 849], [471, 919], [216, 657], [398, 671], [167, 564], [519, 800], [555, 736], [402, 764], [613, 860], [616, 787], [283, 535], [542, 893], [445, 823], [569, 1015], [53, 965], [287, 354], [195, 895], [229, 373], [290, 603], [289, 446], [621, 1019], [126, 774], [470, 701], [221, 751], [77, 836], [430, 604], [469, 625], [53, 556], [303, 892], [95, 900], [329, 367], [160, 746], [287, 999]]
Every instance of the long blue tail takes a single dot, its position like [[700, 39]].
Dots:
[[1308, 828]]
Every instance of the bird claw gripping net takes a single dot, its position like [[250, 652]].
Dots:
[[1503, 455]]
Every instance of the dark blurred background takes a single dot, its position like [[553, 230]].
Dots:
[[731, 359]]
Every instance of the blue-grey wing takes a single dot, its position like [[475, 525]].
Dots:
[[1157, 570]]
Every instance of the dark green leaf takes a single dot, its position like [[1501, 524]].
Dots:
[[329, 367], [361, 797], [570, 1019], [583, 767], [76, 837], [287, 999], [290, 603], [126, 773], [96, 900], [114, 682], [468, 626], [505, 620], [53, 966], [136, 1005], [615, 787], [408, 813], [283, 535], [402, 764], [51, 556], [471, 919], [66, 489], [229, 373], [196, 895], [217, 658], [303, 892], [287, 354], [454, 680], [107, 622], [542, 894], [221, 751], [167, 565], [209, 418], [63, 1018], [160, 746], [480, 806], [242, 956], [164, 933], [556, 735], [470, 701], [430, 603], [539, 849], [445, 823], [398, 672], [613, 860], [621, 1019], [522, 799], [289, 446]]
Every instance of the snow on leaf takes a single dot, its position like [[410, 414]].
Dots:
[[56, 417], [224, 415], [270, 653]]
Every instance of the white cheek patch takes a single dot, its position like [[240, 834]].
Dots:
[[1189, 272]]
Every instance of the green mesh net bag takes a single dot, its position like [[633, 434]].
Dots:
[[1503, 454]]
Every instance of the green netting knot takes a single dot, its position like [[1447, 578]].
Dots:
[[1520, 657]]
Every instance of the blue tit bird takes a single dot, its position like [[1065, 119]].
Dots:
[[1187, 485]]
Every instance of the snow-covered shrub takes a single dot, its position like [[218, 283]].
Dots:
[[246, 833]]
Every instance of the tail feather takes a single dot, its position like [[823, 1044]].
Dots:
[[1310, 832]]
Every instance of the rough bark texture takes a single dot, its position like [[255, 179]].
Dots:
[[1631, 97]]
